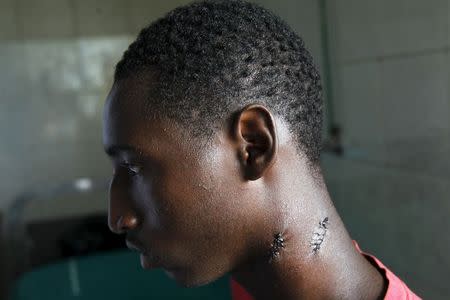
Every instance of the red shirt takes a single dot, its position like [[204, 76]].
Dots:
[[397, 289]]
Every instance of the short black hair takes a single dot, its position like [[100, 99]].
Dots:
[[214, 57]]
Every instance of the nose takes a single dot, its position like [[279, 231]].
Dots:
[[122, 224], [121, 215]]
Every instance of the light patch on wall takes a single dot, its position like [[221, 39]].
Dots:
[[53, 65], [98, 59], [60, 129], [89, 105], [83, 184]]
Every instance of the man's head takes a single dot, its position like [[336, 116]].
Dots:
[[215, 57], [204, 103]]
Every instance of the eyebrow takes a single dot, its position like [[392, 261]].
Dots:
[[113, 150]]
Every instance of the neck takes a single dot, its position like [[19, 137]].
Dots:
[[334, 270]]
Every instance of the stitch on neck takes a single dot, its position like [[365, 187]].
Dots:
[[319, 235], [275, 247]]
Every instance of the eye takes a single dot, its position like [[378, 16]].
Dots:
[[133, 170]]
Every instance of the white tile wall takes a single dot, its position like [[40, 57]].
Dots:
[[98, 57], [45, 18], [399, 217], [411, 25], [8, 20], [354, 29], [53, 65], [415, 209], [393, 57], [408, 91], [101, 17], [415, 113], [359, 111], [378, 28], [50, 124], [13, 92], [13, 83], [448, 76], [414, 96], [143, 12]]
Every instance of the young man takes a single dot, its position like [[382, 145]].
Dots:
[[213, 127]]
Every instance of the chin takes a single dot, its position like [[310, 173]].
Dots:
[[187, 279]]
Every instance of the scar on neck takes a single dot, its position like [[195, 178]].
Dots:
[[276, 246], [319, 235]]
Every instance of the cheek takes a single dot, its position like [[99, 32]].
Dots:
[[147, 206], [198, 192], [187, 204], [203, 217], [202, 223]]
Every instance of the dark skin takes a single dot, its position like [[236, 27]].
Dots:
[[200, 209]]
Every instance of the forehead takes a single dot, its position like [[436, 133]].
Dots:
[[128, 121]]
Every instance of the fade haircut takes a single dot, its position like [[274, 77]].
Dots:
[[214, 57]]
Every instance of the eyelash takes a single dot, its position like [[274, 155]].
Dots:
[[133, 170]]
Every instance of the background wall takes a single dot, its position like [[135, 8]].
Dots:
[[389, 72], [390, 63]]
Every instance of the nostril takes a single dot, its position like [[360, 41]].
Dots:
[[124, 224]]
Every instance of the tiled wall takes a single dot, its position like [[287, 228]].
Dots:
[[57, 68], [391, 97]]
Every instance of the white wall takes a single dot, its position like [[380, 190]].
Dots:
[[391, 97]]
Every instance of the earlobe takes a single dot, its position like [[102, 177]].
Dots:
[[257, 141]]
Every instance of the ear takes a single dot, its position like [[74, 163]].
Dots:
[[256, 140]]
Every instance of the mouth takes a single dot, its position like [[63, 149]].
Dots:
[[132, 245], [148, 261]]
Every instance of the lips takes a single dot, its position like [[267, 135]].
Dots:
[[133, 245], [147, 261]]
